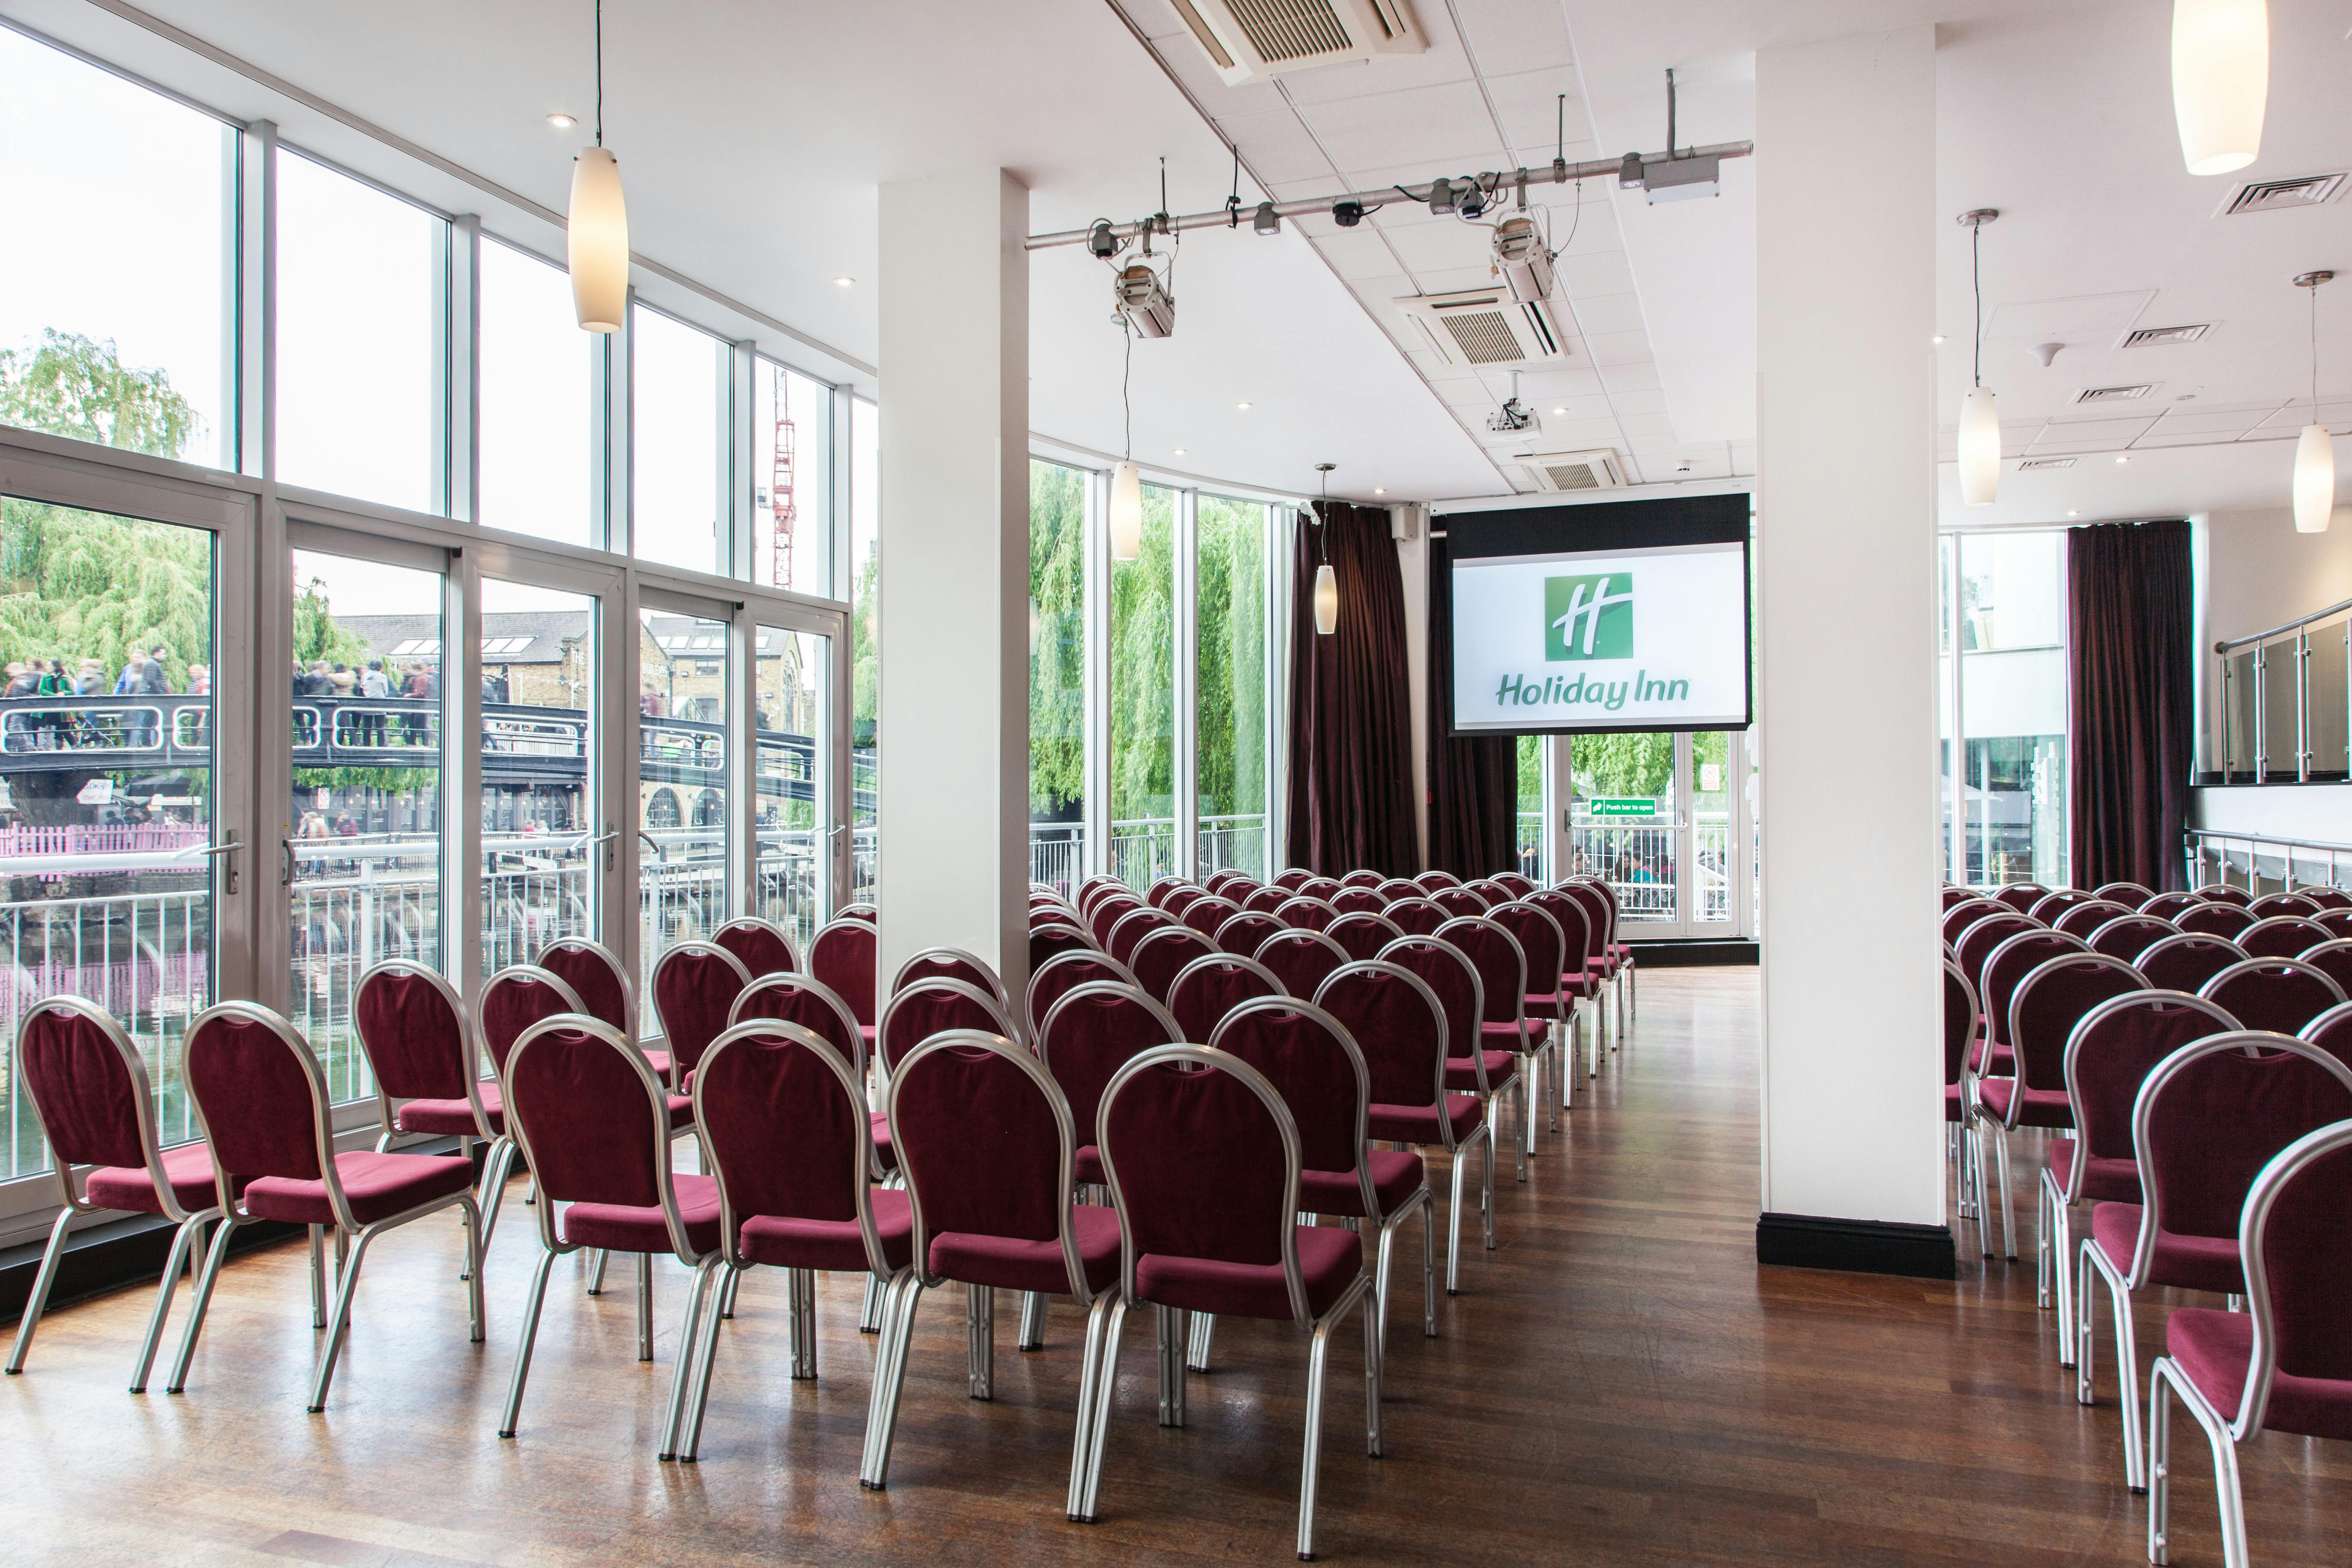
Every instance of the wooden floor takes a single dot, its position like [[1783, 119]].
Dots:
[[1618, 1382]]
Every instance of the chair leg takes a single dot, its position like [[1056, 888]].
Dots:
[[1200, 1341], [596, 1271], [40, 1296], [196, 1308], [523, 1345], [2007, 1203], [474, 1245], [2127, 1389], [1317, 1354], [800, 1310], [689, 1327], [1984, 1231], [185, 1244], [1486, 1186], [727, 1292], [1174, 1329], [870, 1311], [1460, 1162], [980, 1335], [1383, 1259], [2084, 1343], [1526, 1122], [698, 1400], [2043, 1292], [1428, 1266], [496, 1167], [1089, 1377], [889, 1377], [2159, 1461], [318, 1277], [2061, 1244], [644, 1305], [1033, 1320], [347, 1281], [1375, 1364], [1106, 1387]]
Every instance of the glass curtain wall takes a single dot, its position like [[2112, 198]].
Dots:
[[535, 447], [1230, 753], [1143, 700], [792, 695], [864, 590], [681, 787], [677, 443], [539, 773], [1529, 837], [792, 479], [2007, 616], [1057, 675]]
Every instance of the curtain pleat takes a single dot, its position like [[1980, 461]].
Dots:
[[1350, 805], [2129, 609], [1474, 781]]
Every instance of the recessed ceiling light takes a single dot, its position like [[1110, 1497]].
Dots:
[[1242, 406], [1180, 451], [1937, 339], [2123, 460], [842, 283], [1380, 489], [2073, 514], [561, 122], [1559, 411]]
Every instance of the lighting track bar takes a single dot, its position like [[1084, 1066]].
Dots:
[[1556, 172]]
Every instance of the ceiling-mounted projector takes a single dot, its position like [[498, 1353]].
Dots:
[[1145, 301], [1522, 259]]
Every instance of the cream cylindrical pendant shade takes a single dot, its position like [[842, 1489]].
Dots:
[[1980, 448], [1327, 600], [2315, 479], [2221, 82], [597, 241], [1126, 512]]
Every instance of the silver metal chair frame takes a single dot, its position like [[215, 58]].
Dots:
[[1189, 935], [1568, 1011], [737, 1017], [1489, 1094], [1099, 956], [864, 909], [1282, 911], [1220, 960], [491, 1189], [1628, 989], [1530, 1056], [755, 923], [955, 955], [1146, 916], [676, 952], [934, 985], [612, 962], [2296, 965], [1552, 901], [1226, 924], [2274, 922], [1960, 1137], [1391, 931], [2108, 908], [2116, 890]]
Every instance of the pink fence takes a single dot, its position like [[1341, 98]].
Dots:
[[99, 838]]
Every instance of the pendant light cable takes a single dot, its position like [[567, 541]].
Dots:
[[1126, 375], [2314, 291], [1976, 281], [600, 72]]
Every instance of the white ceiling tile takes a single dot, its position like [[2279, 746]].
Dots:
[[1358, 252], [1608, 313], [1621, 348], [1443, 129], [1437, 247], [1572, 434], [1506, 35], [2208, 418], [1629, 378], [1593, 275], [2101, 433], [2332, 411], [1429, 361], [1442, 61], [2162, 435], [1470, 393], [1562, 384], [1586, 230], [1452, 279], [1631, 403], [1191, 68], [1529, 106], [1644, 427], [1278, 146]]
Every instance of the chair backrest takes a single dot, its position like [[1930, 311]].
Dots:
[[1455, 980], [2223, 893], [1206, 914], [1358, 900], [1266, 901], [1306, 913], [1460, 903], [1219, 881], [805, 1000], [1431, 881], [1157, 894], [2128, 936], [2213, 918], [1514, 884], [2081, 920], [845, 955], [1235, 888], [1363, 932], [2011, 961], [1179, 900], [1058, 976], [1395, 888], [1494, 892], [2131, 895], [2114, 1048], [1361, 879], [1954, 895], [1318, 888], [2046, 1006], [2280, 994], [1245, 932], [1090, 1034], [2293, 1239], [2326, 897], [1399, 1025], [89, 1090], [261, 1093], [2051, 905], [1319, 1069], [953, 964], [2281, 936], [593, 1122], [2021, 896], [1203, 1162], [1162, 952], [2332, 958], [1129, 929], [1293, 878], [695, 986], [1415, 916], [1054, 939], [867, 911], [1105, 911], [2272, 905], [514, 999], [2187, 962], [1301, 959], [2168, 906], [1502, 967], [1541, 942], [784, 1120], [1208, 988], [2337, 922], [932, 1006], [411, 1028], [1098, 886], [761, 946], [1583, 920], [591, 971], [1607, 913], [1959, 917], [1976, 944], [1961, 1017], [986, 1143]]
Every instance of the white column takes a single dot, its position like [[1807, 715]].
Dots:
[[954, 616], [1846, 225]]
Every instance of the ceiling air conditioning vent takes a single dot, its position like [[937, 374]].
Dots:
[[2150, 337], [2031, 464], [2287, 196], [2114, 393], [1593, 471], [1480, 328], [1250, 40]]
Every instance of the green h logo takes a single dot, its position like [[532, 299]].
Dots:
[[1583, 619]]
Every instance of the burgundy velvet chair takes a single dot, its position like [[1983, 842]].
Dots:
[[94, 1105], [1361, 879], [590, 1115], [2223, 893], [2082, 920], [1266, 901], [2333, 959], [930, 1006], [1581, 911], [1472, 1064], [1320, 888], [2168, 907], [1514, 884], [2131, 895], [1396, 888], [2019, 896], [2051, 905], [427, 1072], [1363, 932], [992, 1211], [1293, 878], [2186, 962], [2281, 936], [1487, 887], [269, 1125], [2337, 922], [784, 1118], [514, 999], [1132, 927], [1157, 894], [1504, 1024], [1358, 900], [1415, 916], [694, 986], [1054, 939], [2215, 919], [2042, 1008], [1460, 903], [1207, 915], [2286, 1365], [868, 912], [1218, 881], [1107, 910], [1056, 977], [814, 1005], [1237, 888], [1162, 952], [1958, 917], [1206, 989], [1206, 1170], [1954, 895], [1613, 957], [1399, 1024], [1088, 1035], [1431, 881], [2128, 936], [1098, 886], [1182, 899], [1962, 1018], [605, 988], [954, 963], [844, 956], [2327, 897], [1559, 989], [2110, 1053], [1976, 945], [1244, 933], [2281, 994], [1996, 974], [1306, 913], [2205, 1124], [1302, 960], [761, 946], [2331, 1032], [2269, 906]]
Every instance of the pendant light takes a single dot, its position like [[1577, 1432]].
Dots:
[[1326, 584], [2314, 452], [1979, 424], [1126, 481], [596, 229], [2221, 82]]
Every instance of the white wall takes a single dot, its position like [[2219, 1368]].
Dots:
[[2260, 572], [1853, 1101]]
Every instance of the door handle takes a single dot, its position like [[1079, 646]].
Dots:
[[228, 870]]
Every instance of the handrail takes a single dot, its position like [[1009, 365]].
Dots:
[[2294, 626], [2270, 839]]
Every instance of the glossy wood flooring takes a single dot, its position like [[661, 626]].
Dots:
[[1618, 1382]]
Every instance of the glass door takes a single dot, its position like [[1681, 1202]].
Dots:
[[799, 828], [1666, 820]]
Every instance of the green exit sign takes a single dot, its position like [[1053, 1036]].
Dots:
[[1622, 805]]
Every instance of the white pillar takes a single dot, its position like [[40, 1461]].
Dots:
[[1846, 227], [954, 616]]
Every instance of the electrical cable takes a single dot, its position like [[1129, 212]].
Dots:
[[1976, 282], [600, 72], [1126, 375]]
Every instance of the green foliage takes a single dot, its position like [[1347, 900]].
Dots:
[[865, 653], [77, 387], [1624, 764], [1142, 669], [1057, 675], [1229, 575], [1530, 771], [317, 634]]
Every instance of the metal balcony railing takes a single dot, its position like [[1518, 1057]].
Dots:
[[2284, 710]]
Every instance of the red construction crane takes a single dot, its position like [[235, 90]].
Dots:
[[780, 495]]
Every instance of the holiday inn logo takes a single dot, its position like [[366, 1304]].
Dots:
[[1589, 617]]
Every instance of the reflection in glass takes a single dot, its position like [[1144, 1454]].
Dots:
[[681, 787], [792, 479], [1229, 575], [1143, 700], [677, 443], [865, 605], [538, 412], [1057, 675], [1621, 819], [791, 696], [2012, 636], [540, 812]]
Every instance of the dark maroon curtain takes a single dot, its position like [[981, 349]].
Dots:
[[2129, 696], [1351, 713], [1474, 781]]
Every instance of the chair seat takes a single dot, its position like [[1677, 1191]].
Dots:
[[1954, 1109], [451, 1118], [2217, 1351], [1087, 1167], [1620, 953], [884, 1150], [1998, 1061], [188, 1168], [866, 1031], [2041, 1108], [2185, 1262], [377, 1186], [659, 1062], [1419, 1124], [1525, 1035], [1329, 1259], [681, 1111], [783, 1243], [1396, 1176], [1009, 1263], [623, 1227], [2106, 1180], [1462, 1073]]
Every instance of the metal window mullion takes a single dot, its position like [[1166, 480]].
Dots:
[[612, 436], [1095, 634], [743, 741], [256, 299], [2261, 716], [619, 743], [836, 826], [1281, 544], [462, 426], [1956, 775], [462, 904], [1184, 673], [2302, 706], [737, 401]]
